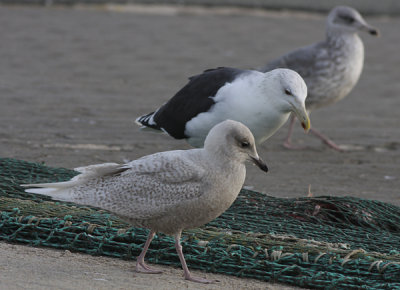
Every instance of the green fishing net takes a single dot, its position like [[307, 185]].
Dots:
[[317, 242]]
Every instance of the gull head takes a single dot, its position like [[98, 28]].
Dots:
[[234, 140], [347, 19], [289, 93]]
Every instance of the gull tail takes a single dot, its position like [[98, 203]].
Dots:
[[59, 191], [64, 191], [147, 122]]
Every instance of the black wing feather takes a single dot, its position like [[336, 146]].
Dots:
[[191, 100]]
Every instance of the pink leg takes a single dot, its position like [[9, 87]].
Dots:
[[326, 140], [187, 274], [288, 142], [140, 264]]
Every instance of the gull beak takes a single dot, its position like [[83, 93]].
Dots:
[[374, 31], [301, 114], [370, 29], [260, 163]]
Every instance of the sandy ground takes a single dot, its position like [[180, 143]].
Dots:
[[24, 267], [73, 80]]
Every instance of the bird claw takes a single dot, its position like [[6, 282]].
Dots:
[[141, 267], [290, 146], [333, 145], [329, 143], [199, 279], [326, 140]]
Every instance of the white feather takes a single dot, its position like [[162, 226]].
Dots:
[[62, 190]]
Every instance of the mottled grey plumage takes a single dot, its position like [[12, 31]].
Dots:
[[168, 191], [332, 67]]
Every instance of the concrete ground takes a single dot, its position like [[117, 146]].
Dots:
[[72, 81]]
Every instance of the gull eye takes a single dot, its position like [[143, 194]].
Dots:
[[288, 92], [347, 18], [244, 144]]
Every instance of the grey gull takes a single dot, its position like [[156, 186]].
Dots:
[[261, 101], [330, 68], [167, 191]]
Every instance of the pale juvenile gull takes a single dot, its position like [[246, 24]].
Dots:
[[167, 191], [261, 101], [330, 68]]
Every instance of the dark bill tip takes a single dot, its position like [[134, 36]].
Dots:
[[260, 163], [374, 32]]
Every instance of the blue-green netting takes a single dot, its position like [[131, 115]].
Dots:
[[317, 242]]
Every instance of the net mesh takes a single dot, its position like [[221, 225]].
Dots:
[[318, 242]]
